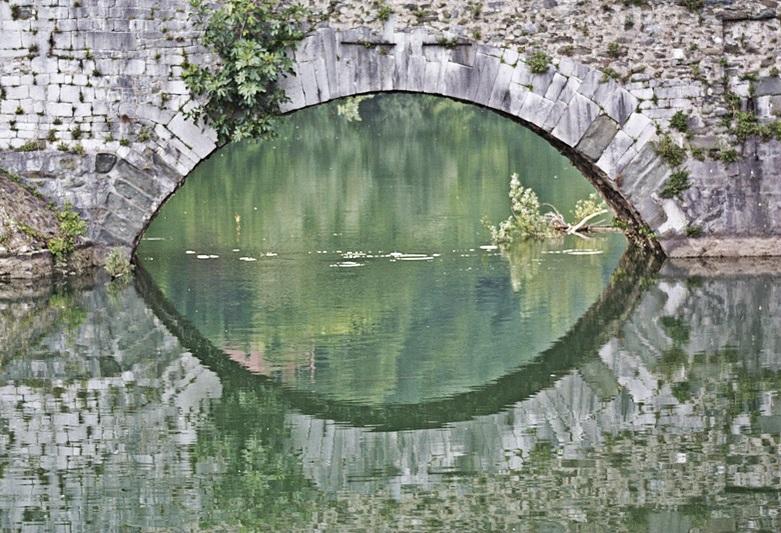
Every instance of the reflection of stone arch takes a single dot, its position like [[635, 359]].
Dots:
[[590, 332], [590, 118]]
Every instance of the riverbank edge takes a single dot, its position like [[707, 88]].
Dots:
[[40, 264]]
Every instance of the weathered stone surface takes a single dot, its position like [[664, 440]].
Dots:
[[769, 86], [104, 162], [581, 112], [598, 137]]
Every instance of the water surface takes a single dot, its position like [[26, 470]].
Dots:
[[354, 265]]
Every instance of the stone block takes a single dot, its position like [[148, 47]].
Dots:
[[579, 116], [644, 175], [487, 69], [456, 79], [104, 162], [636, 124], [134, 196], [618, 104], [308, 77], [769, 86], [416, 73], [500, 93], [598, 137], [321, 79], [433, 77], [70, 93], [193, 136], [535, 109], [119, 41], [612, 155], [557, 85], [291, 85]]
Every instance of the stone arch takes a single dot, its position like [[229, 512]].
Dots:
[[588, 117]]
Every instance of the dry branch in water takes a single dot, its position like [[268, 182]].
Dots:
[[528, 221]]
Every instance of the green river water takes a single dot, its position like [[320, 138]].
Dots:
[[319, 336]]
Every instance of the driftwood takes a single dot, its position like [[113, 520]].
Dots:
[[559, 224]]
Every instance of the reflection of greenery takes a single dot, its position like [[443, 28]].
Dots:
[[349, 108], [262, 486], [549, 279], [415, 175], [675, 357], [676, 329], [71, 313]]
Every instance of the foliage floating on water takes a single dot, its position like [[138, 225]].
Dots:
[[239, 97], [528, 221]]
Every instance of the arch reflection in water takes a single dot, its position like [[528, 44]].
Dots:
[[350, 267], [111, 421]]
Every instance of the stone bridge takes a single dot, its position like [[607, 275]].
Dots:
[[93, 108]]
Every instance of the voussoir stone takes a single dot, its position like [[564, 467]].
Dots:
[[598, 137]]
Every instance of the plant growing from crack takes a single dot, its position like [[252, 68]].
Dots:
[[70, 226], [240, 97]]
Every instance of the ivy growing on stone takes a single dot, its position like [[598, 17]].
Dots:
[[239, 96]]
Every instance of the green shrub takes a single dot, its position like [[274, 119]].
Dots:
[[680, 121], [728, 155], [70, 227], [609, 73], [118, 264], [384, 12], [675, 185], [746, 125], [239, 94], [538, 62], [673, 154], [32, 145], [694, 232], [526, 220], [614, 50], [692, 5]]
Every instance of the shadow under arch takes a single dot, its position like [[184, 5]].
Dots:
[[595, 327]]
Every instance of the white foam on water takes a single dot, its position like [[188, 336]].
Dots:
[[346, 264]]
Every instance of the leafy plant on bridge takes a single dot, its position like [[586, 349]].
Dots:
[[70, 227], [239, 97]]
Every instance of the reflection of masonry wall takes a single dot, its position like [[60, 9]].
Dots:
[[609, 425], [104, 406], [92, 95], [97, 416]]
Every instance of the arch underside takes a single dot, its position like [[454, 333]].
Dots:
[[590, 119]]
